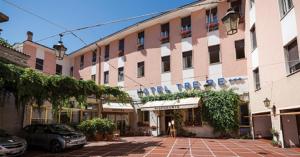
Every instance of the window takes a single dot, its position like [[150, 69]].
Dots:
[[253, 38], [93, 77], [141, 40], [71, 71], [81, 61], [39, 64], [237, 6], [165, 62], [187, 59], [292, 55], [58, 69], [285, 6], [164, 34], [106, 77], [256, 79], [121, 47], [106, 53], [186, 27], [94, 57], [239, 49], [121, 74], [212, 19], [146, 116], [141, 69], [252, 3], [193, 117], [214, 54]]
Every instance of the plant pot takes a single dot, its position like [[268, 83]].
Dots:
[[109, 137], [99, 137]]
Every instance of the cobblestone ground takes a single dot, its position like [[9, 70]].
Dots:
[[174, 147]]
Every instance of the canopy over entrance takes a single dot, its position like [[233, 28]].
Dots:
[[171, 104], [117, 107]]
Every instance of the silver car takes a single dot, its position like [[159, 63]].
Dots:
[[11, 145], [54, 137]]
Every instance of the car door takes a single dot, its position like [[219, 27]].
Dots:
[[40, 136], [27, 133]]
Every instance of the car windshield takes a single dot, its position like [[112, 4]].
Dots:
[[61, 128], [3, 133]]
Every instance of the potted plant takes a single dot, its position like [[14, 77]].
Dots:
[[99, 125], [275, 140], [109, 128]]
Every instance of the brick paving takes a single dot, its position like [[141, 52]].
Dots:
[[174, 147]]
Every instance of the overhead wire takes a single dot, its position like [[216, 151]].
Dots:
[[121, 20]]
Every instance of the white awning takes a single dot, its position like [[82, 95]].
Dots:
[[171, 104], [117, 107]]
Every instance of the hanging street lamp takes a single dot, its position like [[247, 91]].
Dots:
[[267, 103], [60, 49], [231, 21], [140, 92]]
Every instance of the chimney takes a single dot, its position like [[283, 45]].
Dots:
[[29, 35]]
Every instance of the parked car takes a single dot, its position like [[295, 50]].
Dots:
[[11, 145], [54, 137]]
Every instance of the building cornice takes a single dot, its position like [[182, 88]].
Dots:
[[161, 18]]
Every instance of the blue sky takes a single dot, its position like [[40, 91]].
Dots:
[[74, 14]]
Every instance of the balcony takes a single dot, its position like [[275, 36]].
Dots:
[[121, 52], [140, 46], [186, 31], [213, 26], [295, 68], [164, 37]]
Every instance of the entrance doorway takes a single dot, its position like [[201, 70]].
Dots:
[[168, 118], [121, 125]]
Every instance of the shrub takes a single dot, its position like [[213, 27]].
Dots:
[[91, 127]]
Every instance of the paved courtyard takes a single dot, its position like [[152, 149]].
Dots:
[[174, 147]]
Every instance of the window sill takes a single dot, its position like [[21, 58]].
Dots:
[[215, 63], [188, 68], [239, 59], [166, 72], [283, 16], [293, 73], [258, 89], [140, 76]]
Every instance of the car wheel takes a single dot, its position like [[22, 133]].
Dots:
[[55, 146]]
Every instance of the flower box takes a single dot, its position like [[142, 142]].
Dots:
[[186, 33], [164, 39]]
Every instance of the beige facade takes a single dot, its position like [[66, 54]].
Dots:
[[277, 29]]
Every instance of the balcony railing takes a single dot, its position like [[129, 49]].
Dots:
[[212, 26], [164, 37], [121, 52], [186, 31], [295, 67]]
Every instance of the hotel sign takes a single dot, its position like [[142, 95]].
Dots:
[[170, 107], [189, 86]]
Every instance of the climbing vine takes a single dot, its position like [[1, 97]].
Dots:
[[30, 86], [3, 42], [219, 108]]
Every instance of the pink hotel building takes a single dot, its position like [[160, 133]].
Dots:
[[189, 48]]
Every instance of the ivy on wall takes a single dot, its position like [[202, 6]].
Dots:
[[219, 108], [30, 86], [4, 43]]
